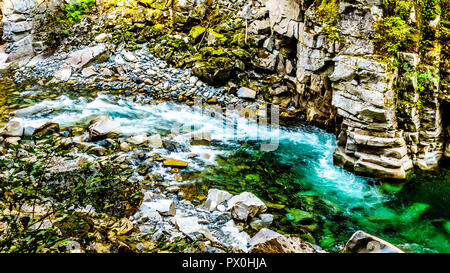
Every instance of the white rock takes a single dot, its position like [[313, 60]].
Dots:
[[362, 242], [64, 73], [163, 206], [119, 60], [139, 139], [188, 225], [88, 72], [150, 214], [263, 235], [101, 38], [246, 93], [155, 141], [216, 197], [129, 57], [104, 127]]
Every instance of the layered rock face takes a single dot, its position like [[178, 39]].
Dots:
[[340, 72]]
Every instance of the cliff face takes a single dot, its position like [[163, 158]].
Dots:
[[377, 74], [389, 96]]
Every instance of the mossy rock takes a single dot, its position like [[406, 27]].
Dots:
[[216, 71]]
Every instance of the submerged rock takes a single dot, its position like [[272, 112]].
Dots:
[[362, 242]]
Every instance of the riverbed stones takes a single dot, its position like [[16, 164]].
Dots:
[[362, 242], [216, 197], [245, 205], [104, 127]]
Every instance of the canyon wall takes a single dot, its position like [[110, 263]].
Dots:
[[388, 120]]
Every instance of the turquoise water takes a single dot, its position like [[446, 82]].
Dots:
[[307, 194]]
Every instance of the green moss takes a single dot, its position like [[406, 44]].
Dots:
[[328, 11]]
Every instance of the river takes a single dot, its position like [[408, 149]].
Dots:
[[308, 195]]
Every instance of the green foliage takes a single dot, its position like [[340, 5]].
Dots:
[[394, 35], [77, 8], [32, 196]]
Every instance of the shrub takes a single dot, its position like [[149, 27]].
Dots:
[[31, 197], [77, 8]]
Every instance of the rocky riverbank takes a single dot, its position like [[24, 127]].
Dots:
[[300, 56], [160, 219]]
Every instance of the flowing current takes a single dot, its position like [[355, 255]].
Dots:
[[311, 196]]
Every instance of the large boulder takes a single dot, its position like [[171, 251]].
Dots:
[[88, 56], [41, 129], [104, 127], [362, 242], [165, 207], [245, 205], [268, 241], [215, 198], [14, 128]]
